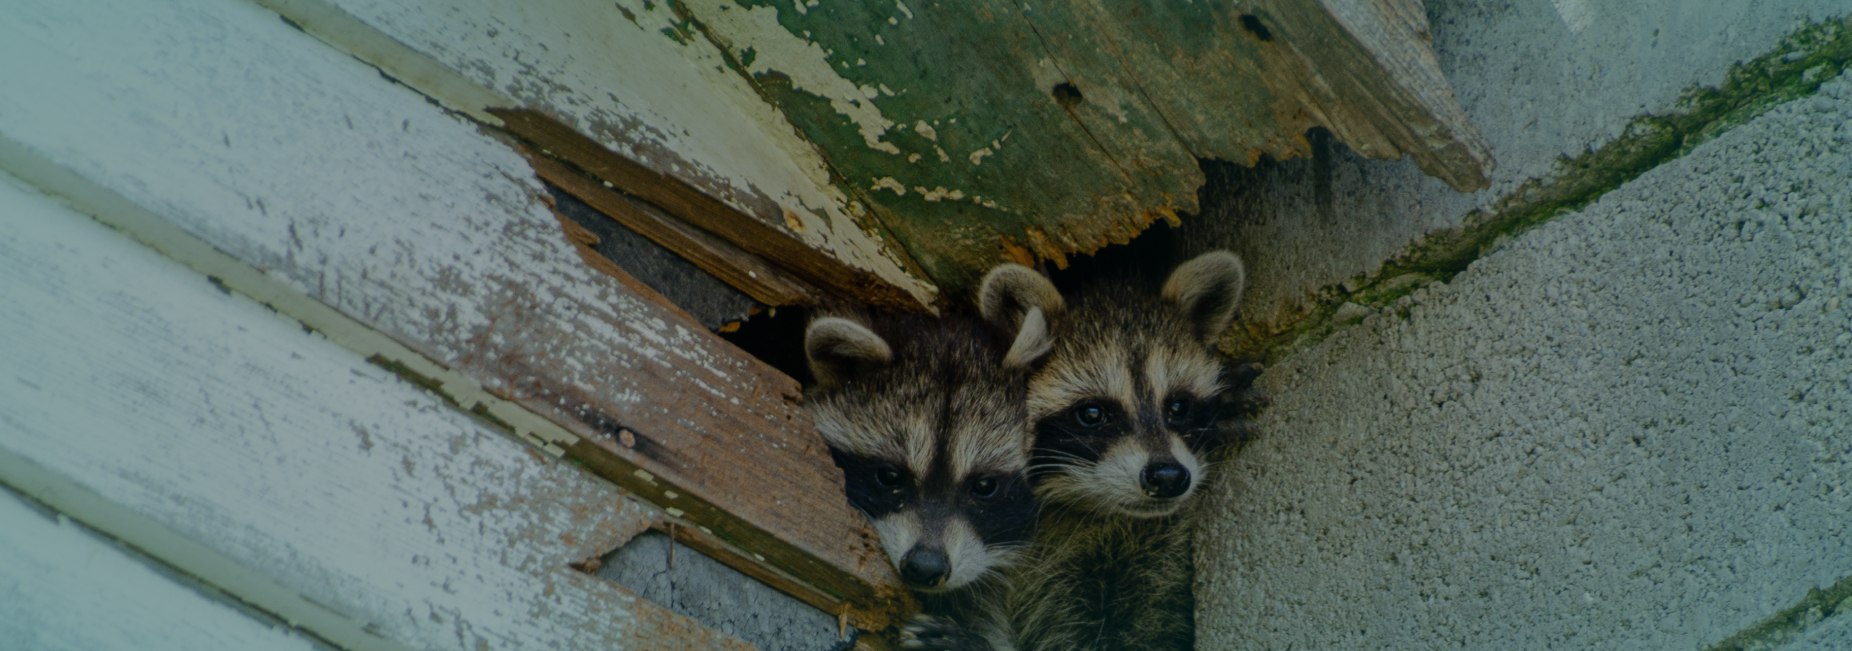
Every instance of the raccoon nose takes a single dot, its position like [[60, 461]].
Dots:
[[925, 567], [1165, 480]]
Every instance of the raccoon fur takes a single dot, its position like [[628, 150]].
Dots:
[[1129, 410], [926, 418]]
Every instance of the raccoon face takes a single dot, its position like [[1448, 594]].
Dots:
[[926, 419], [1129, 399]]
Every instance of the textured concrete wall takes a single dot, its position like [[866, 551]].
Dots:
[[1627, 427]]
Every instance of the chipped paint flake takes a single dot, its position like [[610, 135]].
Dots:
[[924, 129], [888, 183], [902, 6], [940, 194], [977, 157]]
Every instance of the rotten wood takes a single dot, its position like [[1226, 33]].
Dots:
[[445, 247], [990, 130], [964, 133], [634, 83], [671, 195], [744, 271]]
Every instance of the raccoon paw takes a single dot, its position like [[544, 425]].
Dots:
[[940, 634]]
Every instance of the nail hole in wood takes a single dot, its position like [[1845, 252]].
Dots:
[[1251, 23], [1067, 95]]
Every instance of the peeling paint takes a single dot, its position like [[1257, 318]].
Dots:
[[888, 183], [802, 61], [939, 194]]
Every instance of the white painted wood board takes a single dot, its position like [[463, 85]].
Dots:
[[66, 588], [222, 438], [306, 164], [632, 77]]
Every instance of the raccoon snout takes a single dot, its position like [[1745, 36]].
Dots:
[[925, 567], [1165, 480]]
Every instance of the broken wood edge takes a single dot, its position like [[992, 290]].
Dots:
[[873, 605], [871, 588], [585, 242], [704, 212], [1390, 107], [701, 540], [746, 272]]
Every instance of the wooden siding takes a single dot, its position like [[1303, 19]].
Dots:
[[66, 588], [966, 133], [217, 435], [608, 80], [433, 246]]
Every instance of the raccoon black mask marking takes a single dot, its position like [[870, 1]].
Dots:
[[926, 418], [1128, 401]]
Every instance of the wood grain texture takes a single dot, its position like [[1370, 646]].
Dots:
[[147, 402], [299, 161], [630, 82]]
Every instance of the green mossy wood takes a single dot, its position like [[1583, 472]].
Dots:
[[973, 132]]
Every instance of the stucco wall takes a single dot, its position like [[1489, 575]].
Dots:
[[1629, 426]]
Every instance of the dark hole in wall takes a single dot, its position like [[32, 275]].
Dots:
[[1231, 196], [712, 302], [1252, 23], [703, 589], [1067, 94], [776, 337]]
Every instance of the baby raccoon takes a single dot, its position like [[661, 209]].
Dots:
[[1126, 409], [925, 417], [1128, 401]]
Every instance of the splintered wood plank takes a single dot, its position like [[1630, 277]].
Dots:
[[301, 162], [628, 81], [68, 588], [145, 401], [747, 272], [982, 130]]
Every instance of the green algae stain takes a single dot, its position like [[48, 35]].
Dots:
[[1792, 622], [1793, 69]]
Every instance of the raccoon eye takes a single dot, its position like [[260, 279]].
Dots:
[[1177, 410], [984, 487], [1090, 414], [888, 477]]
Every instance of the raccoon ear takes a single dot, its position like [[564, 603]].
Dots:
[[1208, 289], [1032, 342], [1017, 299], [839, 349]]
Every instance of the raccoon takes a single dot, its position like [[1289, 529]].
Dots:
[[926, 419], [1128, 410]]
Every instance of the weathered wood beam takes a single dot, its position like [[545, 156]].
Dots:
[[613, 90], [221, 438], [979, 131], [366, 198]]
